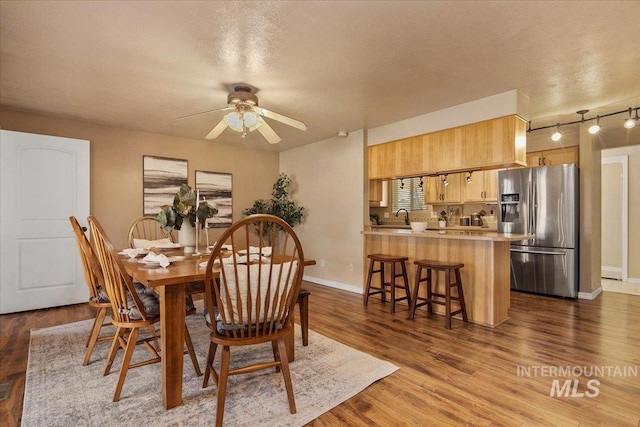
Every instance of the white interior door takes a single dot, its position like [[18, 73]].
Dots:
[[44, 180]]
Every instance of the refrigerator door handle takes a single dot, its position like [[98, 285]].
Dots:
[[543, 252]]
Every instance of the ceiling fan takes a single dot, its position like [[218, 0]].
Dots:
[[247, 116]]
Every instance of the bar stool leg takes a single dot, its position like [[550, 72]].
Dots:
[[368, 288], [414, 301], [405, 277], [461, 296], [393, 287], [447, 299], [383, 281], [430, 284]]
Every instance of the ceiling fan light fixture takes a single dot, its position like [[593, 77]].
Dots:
[[251, 121], [234, 121]]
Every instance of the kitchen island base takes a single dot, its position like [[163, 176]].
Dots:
[[485, 256]]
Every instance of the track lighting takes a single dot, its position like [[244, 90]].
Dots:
[[595, 128], [557, 135], [401, 183], [421, 184], [629, 123], [445, 181], [469, 179]]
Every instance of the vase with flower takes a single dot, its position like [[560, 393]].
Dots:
[[186, 206]]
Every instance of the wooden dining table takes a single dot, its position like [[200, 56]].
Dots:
[[170, 283]]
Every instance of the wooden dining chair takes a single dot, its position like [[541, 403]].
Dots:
[[147, 228], [132, 310], [95, 282], [254, 299]]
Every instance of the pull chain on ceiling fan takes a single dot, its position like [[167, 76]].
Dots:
[[246, 116]]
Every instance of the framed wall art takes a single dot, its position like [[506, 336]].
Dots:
[[162, 178], [216, 186]]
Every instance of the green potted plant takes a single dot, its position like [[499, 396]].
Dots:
[[279, 205], [171, 217]]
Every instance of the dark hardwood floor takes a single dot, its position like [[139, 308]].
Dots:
[[469, 375]]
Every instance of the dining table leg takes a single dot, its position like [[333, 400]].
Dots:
[[172, 321]]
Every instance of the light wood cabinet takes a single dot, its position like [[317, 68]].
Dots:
[[435, 192], [378, 193], [483, 188], [489, 144], [557, 156]]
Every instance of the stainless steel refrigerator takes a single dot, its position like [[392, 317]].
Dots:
[[543, 201]]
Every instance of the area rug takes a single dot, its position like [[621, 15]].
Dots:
[[61, 392]]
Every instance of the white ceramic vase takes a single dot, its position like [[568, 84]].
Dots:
[[187, 237]]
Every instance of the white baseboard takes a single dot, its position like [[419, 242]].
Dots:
[[330, 283], [590, 295], [633, 280], [611, 272]]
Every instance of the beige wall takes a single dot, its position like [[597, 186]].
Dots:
[[611, 226], [329, 175], [116, 166], [633, 153]]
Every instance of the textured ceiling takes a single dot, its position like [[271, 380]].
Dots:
[[334, 65]]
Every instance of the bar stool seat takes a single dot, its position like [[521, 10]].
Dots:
[[450, 269], [388, 286]]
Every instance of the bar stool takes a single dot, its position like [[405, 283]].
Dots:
[[303, 304], [448, 268], [391, 284]]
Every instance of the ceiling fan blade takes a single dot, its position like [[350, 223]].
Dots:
[[279, 117], [205, 112], [268, 132], [216, 131]]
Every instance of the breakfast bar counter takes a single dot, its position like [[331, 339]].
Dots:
[[485, 254]]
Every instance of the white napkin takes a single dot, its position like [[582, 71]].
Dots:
[[131, 252], [159, 258], [146, 244]]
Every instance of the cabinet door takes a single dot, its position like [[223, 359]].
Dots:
[[452, 191], [474, 191], [375, 190], [535, 158], [432, 193], [561, 156], [491, 185]]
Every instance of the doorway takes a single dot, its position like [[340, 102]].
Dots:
[[615, 217]]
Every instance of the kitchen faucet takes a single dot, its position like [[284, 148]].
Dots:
[[406, 218]]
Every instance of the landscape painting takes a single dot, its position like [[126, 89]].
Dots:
[[162, 178], [216, 186]]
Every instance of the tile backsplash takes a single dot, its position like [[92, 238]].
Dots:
[[430, 214]]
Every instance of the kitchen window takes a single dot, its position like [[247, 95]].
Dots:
[[407, 194]]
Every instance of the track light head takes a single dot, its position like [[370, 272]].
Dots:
[[469, 179], [631, 122], [595, 128], [445, 181], [556, 135]]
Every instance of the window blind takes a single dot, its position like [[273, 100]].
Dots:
[[408, 196]]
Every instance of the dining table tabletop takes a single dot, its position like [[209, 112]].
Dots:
[[170, 284]]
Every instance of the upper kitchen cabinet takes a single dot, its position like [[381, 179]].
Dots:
[[435, 192], [495, 143], [558, 156], [482, 188], [490, 144]]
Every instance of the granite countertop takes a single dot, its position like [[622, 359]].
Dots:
[[461, 233]]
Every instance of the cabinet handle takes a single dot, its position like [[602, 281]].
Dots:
[[539, 161]]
